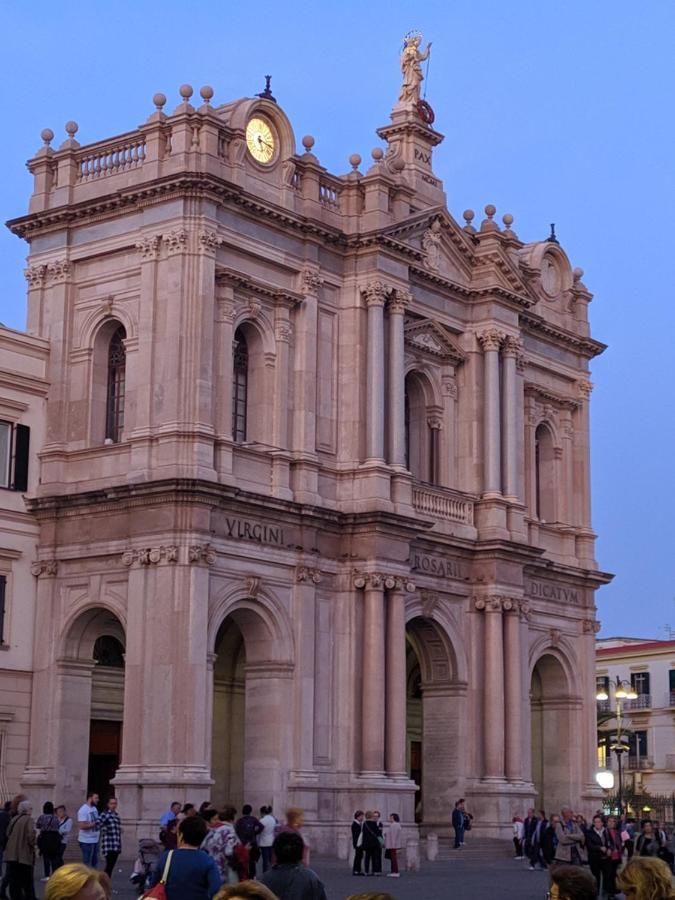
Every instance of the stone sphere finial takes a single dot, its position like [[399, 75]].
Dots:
[[71, 128], [578, 274], [377, 153], [507, 219], [206, 93], [47, 135], [355, 161], [490, 210], [159, 100], [468, 215], [398, 164], [185, 90], [308, 142]]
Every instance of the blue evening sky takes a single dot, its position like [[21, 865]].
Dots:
[[554, 112]]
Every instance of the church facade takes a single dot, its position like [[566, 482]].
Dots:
[[313, 504]]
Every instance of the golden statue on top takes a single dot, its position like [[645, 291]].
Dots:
[[411, 57]]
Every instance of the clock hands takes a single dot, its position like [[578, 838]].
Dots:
[[261, 140]]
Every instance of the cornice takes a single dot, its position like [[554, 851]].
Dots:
[[549, 396], [256, 286], [192, 184], [29, 384], [537, 326]]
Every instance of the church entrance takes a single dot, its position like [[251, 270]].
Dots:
[[91, 715], [252, 709], [551, 711], [434, 704], [229, 719]]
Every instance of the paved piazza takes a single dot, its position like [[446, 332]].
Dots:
[[460, 879]]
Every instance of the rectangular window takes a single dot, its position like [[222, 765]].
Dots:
[[640, 682], [671, 686], [3, 593], [14, 447], [602, 684]]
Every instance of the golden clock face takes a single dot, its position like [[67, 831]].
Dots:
[[260, 140]]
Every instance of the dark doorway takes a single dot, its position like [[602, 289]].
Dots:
[[105, 740]]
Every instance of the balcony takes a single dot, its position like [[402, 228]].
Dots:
[[636, 763], [440, 503], [604, 706], [671, 698], [670, 762], [643, 701]]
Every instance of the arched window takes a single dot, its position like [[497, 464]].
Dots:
[[544, 474], [117, 363], [108, 651], [421, 440], [239, 386]]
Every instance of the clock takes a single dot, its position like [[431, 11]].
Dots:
[[261, 140]]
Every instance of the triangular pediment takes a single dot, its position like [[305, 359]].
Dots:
[[442, 248], [433, 340]]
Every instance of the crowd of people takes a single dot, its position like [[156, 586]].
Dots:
[[256, 856], [603, 845]]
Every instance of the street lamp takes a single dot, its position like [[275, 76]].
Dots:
[[623, 690]]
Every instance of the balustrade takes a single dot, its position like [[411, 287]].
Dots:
[[443, 504], [101, 162], [329, 195]]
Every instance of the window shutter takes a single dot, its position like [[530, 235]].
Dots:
[[21, 446]]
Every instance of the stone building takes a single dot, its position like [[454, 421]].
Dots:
[[649, 667], [314, 501], [23, 392]]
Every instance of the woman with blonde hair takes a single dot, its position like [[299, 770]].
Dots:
[[646, 878], [78, 882]]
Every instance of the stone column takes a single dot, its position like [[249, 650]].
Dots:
[[568, 512], [585, 540], [448, 460], [493, 686], [372, 675], [513, 691], [395, 737], [512, 347], [375, 295], [491, 341], [435, 424], [396, 307], [305, 364], [282, 337]]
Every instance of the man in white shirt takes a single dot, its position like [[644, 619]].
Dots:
[[87, 822], [266, 836]]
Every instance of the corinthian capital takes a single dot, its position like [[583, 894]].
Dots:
[[490, 339], [399, 301], [375, 293], [584, 387], [310, 281], [513, 346]]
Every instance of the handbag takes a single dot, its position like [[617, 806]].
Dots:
[[158, 892]]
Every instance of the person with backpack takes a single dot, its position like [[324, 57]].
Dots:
[[48, 840], [248, 828]]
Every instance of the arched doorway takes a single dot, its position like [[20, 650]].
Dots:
[[92, 701], [252, 721], [435, 721], [551, 712], [229, 719]]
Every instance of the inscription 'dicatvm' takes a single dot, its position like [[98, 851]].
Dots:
[[543, 590], [255, 531]]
